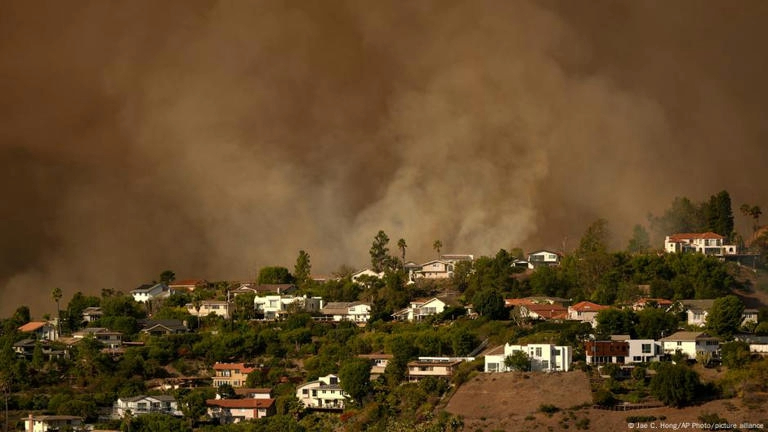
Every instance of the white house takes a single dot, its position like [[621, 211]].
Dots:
[[543, 258], [149, 292], [51, 423], [347, 311], [420, 309], [274, 306], [644, 350], [139, 405], [691, 344], [440, 367], [207, 307], [92, 313], [325, 393], [707, 243], [379, 362], [543, 357]]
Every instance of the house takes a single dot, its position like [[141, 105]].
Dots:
[[435, 269], [91, 314], [140, 405], [254, 392], [347, 311], [750, 316], [692, 344], [585, 312], [161, 327], [420, 309], [545, 312], [51, 423], [366, 274], [25, 348], [440, 367], [606, 351], [757, 344], [644, 351], [379, 362], [207, 307], [234, 374], [148, 292], [696, 311], [41, 330], [264, 289], [228, 411], [275, 306], [324, 394], [110, 339], [187, 285], [543, 357], [646, 302], [707, 243], [543, 258]]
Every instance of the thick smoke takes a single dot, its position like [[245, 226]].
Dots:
[[214, 138]]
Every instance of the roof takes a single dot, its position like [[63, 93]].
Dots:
[[56, 417], [698, 305], [545, 251], [434, 362], [694, 236], [188, 282], [256, 390], [586, 306], [32, 326], [244, 367], [517, 302], [499, 350], [240, 403], [549, 311], [149, 287], [658, 301], [376, 356], [340, 308], [683, 336]]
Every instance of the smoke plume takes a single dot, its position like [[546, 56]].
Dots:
[[213, 138]]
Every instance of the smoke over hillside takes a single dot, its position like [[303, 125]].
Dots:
[[214, 138]]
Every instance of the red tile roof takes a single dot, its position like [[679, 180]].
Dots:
[[586, 306], [548, 311], [32, 326], [240, 403], [694, 236], [517, 302]]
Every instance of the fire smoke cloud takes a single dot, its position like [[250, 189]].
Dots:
[[213, 138]]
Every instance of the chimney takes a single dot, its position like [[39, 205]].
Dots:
[[30, 423]]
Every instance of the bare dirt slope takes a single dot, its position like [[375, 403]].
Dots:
[[511, 402]]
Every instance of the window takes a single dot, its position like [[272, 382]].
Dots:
[[646, 348], [637, 358], [538, 351]]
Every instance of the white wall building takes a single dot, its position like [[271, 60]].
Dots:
[[691, 344], [274, 306], [139, 405], [644, 350], [707, 243], [325, 393], [543, 357]]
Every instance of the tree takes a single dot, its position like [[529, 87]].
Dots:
[[674, 384], [616, 321], [653, 322], [402, 246], [754, 212], [735, 355], [640, 241], [167, 277], [226, 391], [683, 216], [437, 246], [303, 269], [594, 261], [518, 361], [489, 303], [725, 316], [56, 295], [355, 378], [275, 275], [379, 251], [719, 214]]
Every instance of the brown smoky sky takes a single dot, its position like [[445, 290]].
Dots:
[[214, 138]]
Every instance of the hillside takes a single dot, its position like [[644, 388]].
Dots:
[[511, 402]]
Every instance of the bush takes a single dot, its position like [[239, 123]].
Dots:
[[548, 409], [603, 397], [675, 385]]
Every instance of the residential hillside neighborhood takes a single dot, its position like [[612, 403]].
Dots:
[[389, 345]]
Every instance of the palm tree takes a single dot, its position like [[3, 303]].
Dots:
[[401, 245], [754, 212], [437, 245], [56, 295]]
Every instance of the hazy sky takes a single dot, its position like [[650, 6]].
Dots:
[[213, 138]]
